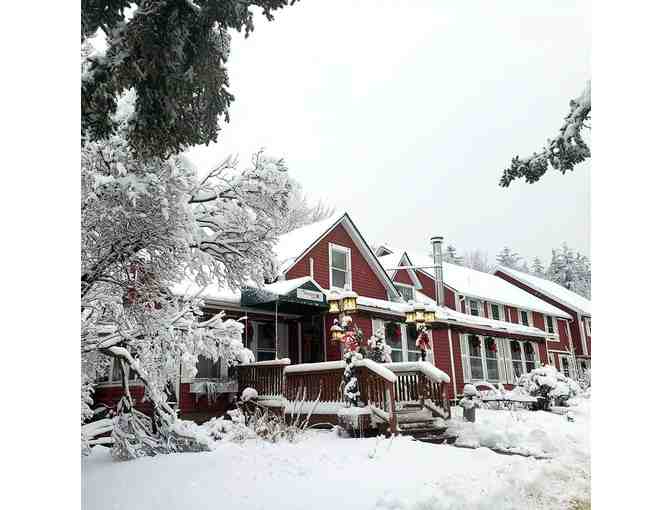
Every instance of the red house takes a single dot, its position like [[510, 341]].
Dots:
[[486, 329], [573, 353]]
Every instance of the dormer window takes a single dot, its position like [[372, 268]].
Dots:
[[407, 292], [340, 268]]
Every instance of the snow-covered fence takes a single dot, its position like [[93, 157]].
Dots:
[[422, 382]]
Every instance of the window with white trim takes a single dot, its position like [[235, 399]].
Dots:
[[524, 317], [401, 339], [340, 268], [494, 311], [474, 308], [550, 324], [524, 357], [407, 291], [483, 358], [587, 322]]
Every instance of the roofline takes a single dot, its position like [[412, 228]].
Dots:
[[490, 300], [504, 270], [387, 282]]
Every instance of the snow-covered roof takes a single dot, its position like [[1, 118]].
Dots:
[[285, 286], [212, 291], [292, 245], [485, 286], [445, 314], [551, 289]]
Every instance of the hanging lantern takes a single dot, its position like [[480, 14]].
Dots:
[[333, 299], [349, 301], [430, 314], [336, 332], [419, 313], [410, 315]]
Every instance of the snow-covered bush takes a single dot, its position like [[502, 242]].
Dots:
[[549, 385]]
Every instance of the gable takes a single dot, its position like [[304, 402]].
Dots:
[[365, 280]]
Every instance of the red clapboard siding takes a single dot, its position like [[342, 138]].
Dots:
[[402, 277], [513, 314], [538, 321], [574, 325], [365, 281], [441, 345], [562, 344]]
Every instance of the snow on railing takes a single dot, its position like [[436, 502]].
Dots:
[[377, 368], [427, 369], [283, 361]]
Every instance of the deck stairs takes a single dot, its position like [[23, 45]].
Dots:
[[421, 423]]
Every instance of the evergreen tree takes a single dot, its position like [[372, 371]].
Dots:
[[538, 267], [571, 270], [477, 260], [508, 258], [172, 55], [451, 256]]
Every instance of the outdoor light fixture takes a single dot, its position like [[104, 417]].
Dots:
[[334, 300], [430, 314], [349, 301], [336, 331], [410, 315], [345, 301], [419, 313]]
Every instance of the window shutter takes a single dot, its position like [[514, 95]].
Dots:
[[502, 364], [464, 350], [537, 358]]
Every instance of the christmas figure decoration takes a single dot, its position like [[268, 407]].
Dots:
[[422, 342], [379, 351]]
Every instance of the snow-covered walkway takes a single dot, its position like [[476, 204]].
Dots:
[[325, 472]]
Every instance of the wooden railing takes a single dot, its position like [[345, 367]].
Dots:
[[266, 377], [414, 386], [323, 382]]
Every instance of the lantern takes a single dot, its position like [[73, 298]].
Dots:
[[410, 315], [419, 313], [336, 331], [333, 299], [349, 301], [430, 314]]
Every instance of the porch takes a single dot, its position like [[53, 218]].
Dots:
[[408, 398]]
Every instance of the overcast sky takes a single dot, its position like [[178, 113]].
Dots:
[[406, 115]]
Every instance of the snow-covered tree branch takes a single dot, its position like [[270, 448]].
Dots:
[[562, 152]]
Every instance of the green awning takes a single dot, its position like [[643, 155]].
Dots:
[[301, 296]]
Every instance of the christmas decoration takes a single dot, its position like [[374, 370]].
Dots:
[[422, 341], [491, 345], [379, 351]]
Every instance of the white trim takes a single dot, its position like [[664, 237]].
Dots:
[[452, 361], [529, 317], [499, 310], [348, 260], [582, 332], [406, 285]]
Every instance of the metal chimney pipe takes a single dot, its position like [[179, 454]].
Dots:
[[437, 252]]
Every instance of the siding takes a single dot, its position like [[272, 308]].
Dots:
[[365, 281]]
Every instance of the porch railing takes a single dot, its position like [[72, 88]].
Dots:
[[265, 376], [385, 388]]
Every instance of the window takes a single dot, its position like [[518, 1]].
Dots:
[[406, 291], [401, 339], [524, 357], [475, 357], [394, 339], [565, 366], [588, 327], [483, 358], [494, 311], [473, 307], [340, 273], [264, 341], [550, 323], [524, 320], [412, 351], [208, 369]]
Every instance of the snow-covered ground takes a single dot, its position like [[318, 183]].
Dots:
[[325, 472]]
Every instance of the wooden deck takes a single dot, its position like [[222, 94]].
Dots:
[[407, 398]]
